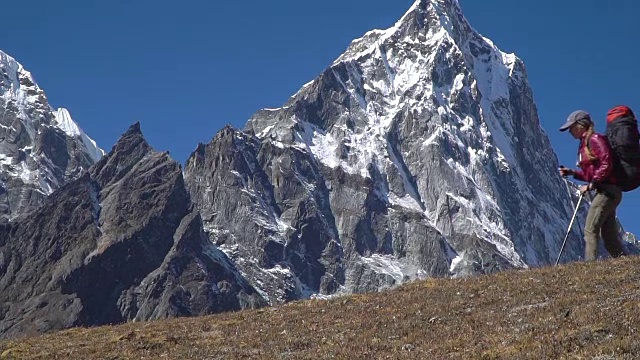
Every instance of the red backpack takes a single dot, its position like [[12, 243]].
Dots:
[[624, 138]]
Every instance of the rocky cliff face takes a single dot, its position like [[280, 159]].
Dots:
[[41, 149], [122, 242], [417, 153]]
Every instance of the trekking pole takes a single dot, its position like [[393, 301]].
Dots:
[[575, 212], [569, 183]]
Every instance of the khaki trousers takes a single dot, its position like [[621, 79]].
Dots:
[[601, 221]]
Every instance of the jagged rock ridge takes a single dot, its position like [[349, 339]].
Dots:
[[122, 242]]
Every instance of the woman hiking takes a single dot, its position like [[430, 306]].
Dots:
[[595, 162]]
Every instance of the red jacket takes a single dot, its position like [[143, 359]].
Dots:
[[599, 170]]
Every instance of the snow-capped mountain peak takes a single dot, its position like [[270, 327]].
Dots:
[[40, 148], [13, 77], [440, 124], [65, 123]]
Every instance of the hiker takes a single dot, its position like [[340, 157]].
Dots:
[[595, 162]]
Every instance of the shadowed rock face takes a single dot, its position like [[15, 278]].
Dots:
[[120, 243]]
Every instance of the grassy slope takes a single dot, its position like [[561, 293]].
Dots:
[[572, 311]]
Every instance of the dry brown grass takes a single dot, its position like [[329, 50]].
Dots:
[[577, 311]]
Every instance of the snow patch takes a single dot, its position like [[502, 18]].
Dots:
[[455, 263], [385, 264]]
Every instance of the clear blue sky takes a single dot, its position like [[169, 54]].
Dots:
[[184, 69]]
